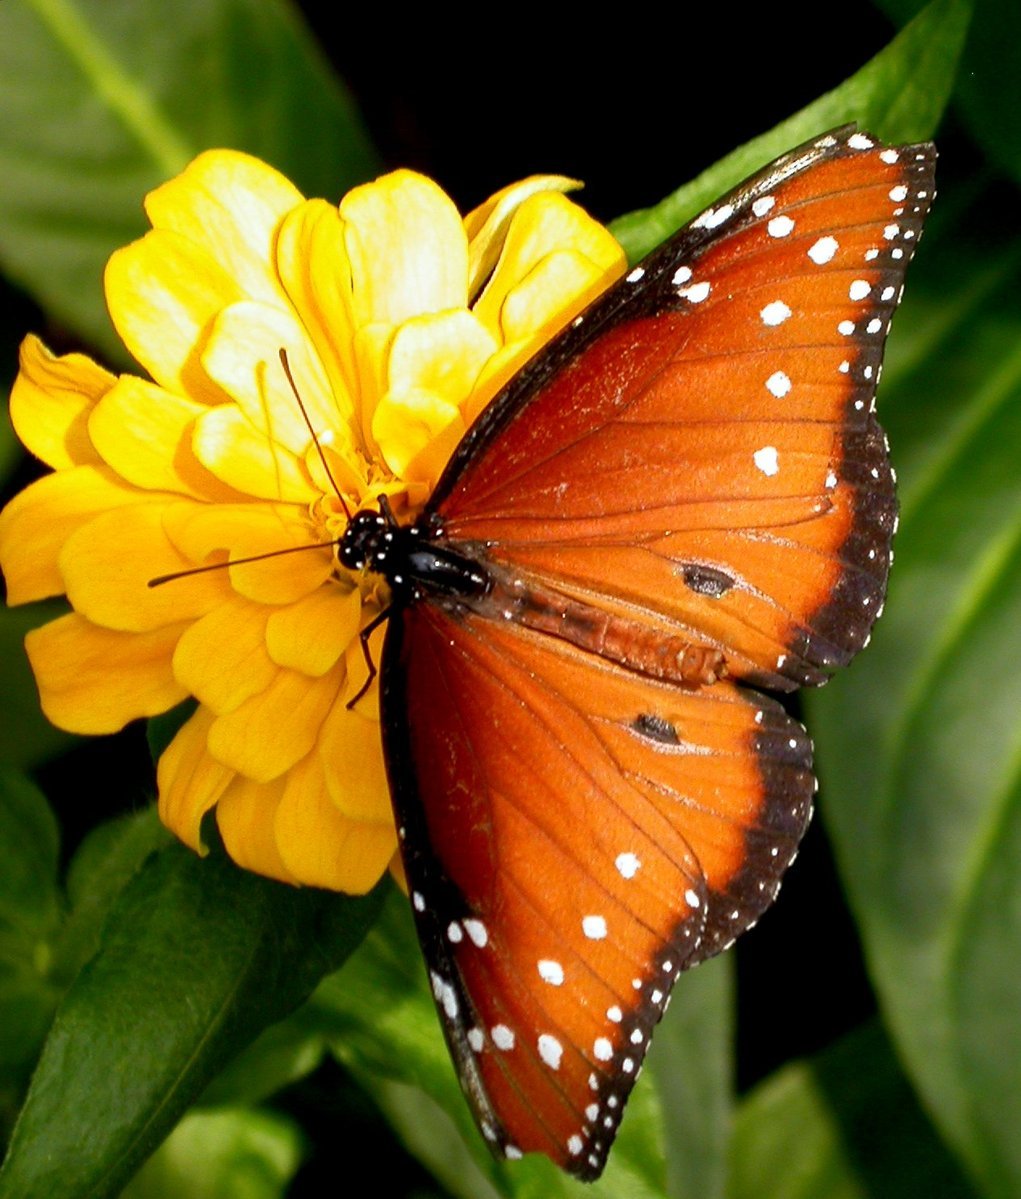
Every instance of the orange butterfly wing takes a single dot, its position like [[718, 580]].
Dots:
[[695, 461], [709, 463], [574, 836]]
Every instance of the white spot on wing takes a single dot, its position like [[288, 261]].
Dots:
[[477, 931], [713, 217], [602, 1048], [696, 293], [778, 384], [594, 927], [551, 972], [550, 1050], [627, 864], [859, 289], [823, 250], [767, 460], [763, 205], [775, 313], [681, 275], [635, 275], [503, 1037], [780, 226]]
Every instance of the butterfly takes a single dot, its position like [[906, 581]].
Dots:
[[684, 497]]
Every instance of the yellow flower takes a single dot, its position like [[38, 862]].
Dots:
[[400, 321]]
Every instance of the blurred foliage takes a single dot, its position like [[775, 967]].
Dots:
[[139, 982]]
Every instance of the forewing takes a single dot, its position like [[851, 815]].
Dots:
[[574, 835], [700, 451]]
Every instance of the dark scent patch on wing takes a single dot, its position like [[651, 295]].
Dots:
[[706, 580]]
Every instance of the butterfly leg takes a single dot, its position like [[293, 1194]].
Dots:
[[370, 666]]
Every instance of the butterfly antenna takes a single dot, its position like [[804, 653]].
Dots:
[[284, 362], [201, 570]]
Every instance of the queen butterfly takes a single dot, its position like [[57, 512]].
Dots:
[[683, 496]]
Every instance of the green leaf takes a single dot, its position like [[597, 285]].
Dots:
[[926, 822], [692, 1069], [30, 913], [986, 92], [101, 102], [210, 1155], [842, 1125], [900, 96], [280, 1055], [108, 857], [197, 958], [26, 737]]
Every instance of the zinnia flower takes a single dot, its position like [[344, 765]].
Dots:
[[400, 321]]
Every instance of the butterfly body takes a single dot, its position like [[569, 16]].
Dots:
[[683, 496]]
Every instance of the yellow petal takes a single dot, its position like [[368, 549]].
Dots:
[[352, 753], [245, 458], [311, 635], [144, 433], [93, 680], [543, 224], [313, 266], [190, 781], [559, 287], [407, 248], [163, 292], [539, 306], [371, 350], [486, 225], [247, 530], [37, 522], [230, 205], [222, 658], [107, 565], [417, 432], [245, 816], [272, 731], [432, 366], [442, 353], [319, 845], [50, 403], [243, 356]]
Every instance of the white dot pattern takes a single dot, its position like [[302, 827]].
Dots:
[[594, 927], [627, 865], [775, 313], [551, 972], [778, 384]]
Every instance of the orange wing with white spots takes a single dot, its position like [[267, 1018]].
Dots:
[[691, 474], [574, 835], [700, 452]]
